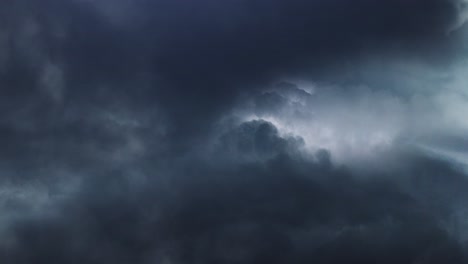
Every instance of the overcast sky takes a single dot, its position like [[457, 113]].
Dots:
[[233, 131]]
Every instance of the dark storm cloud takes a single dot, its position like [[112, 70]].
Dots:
[[210, 50], [63, 100], [203, 53], [275, 209], [65, 61], [110, 111]]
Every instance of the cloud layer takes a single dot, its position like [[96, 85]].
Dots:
[[231, 131]]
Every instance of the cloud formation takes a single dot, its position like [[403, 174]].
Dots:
[[284, 207], [233, 131]]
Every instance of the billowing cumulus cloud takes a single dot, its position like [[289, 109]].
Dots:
[[176, 132]]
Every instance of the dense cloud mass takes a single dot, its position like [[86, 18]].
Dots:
[[231, 131]]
